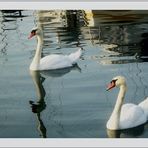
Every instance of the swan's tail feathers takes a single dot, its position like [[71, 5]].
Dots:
[[144, 106], [75, 56]]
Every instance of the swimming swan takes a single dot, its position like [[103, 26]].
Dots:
[[52, 61], [127, 115]]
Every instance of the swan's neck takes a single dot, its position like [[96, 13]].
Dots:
[[120, 99], [36, 60], [115, 117]]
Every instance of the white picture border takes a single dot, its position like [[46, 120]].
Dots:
[[74, 5], [71, 142]]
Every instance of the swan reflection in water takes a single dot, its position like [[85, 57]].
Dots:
[[38, 78], [127, 133]]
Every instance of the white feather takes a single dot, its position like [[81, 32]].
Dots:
[[131, 116]]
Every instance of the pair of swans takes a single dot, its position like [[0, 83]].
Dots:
[[123, 116]]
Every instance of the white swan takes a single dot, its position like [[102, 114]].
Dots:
[[53, 61], [127, 115]]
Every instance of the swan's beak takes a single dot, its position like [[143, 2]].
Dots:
[[111, 85]]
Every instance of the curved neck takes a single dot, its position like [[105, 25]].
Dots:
[[36, 60], [115, 117], [120, 99]]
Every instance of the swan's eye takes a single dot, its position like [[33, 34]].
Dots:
[[33, 31], [114, 82]]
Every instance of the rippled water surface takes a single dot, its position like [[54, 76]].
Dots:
[[70, 103]]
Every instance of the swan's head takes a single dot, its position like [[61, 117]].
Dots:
[[35, 31], [116, 82]]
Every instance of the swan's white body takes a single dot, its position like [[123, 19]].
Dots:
[[53, 61], [127, 115]]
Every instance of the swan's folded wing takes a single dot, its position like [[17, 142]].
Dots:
[[131, 116], [54, 61]]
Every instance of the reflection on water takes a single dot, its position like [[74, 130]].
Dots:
[[120, 32], [38, 107], [60, 28], [38, 80], [70, 102], [8, 22]]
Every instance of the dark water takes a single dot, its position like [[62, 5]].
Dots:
[[70, 102]]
